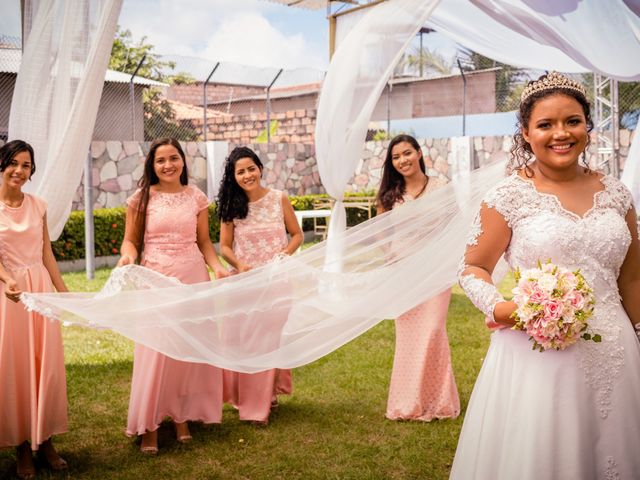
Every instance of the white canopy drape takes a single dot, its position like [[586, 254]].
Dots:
[[57, 93]]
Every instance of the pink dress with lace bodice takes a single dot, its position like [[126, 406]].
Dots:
[[257, 239], [33, 395], [422, 383], [161, 386]]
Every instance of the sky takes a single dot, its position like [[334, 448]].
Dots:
[[251, 32]]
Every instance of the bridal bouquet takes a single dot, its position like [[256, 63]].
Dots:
[[554, 305]]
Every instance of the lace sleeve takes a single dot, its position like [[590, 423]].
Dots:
[[202, 201], [134, 199], [488, 239]]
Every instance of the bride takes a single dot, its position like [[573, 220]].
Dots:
[[564, 414]]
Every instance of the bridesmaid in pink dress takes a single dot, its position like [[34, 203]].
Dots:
[[33, 402], [168, 223], [422, 383], [255, 221]]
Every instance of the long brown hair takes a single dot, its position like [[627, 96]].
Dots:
[[149, 178], [392, 185]]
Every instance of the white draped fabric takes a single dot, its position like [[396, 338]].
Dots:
[[57, 93], [631, 173], [357, 75], [291, 311]]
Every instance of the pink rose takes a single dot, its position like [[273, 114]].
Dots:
[[552, 310], [569, 281], [575, 299], [538, 295]]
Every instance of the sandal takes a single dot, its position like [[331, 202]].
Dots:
[[183, 437], [54, 461], [25, 472], [149, 444]]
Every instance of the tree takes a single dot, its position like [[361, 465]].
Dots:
[[429, 60], [159, 117]]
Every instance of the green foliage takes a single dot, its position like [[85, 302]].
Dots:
[[273, 130], [159, 117], [126, 54], [109, 226]]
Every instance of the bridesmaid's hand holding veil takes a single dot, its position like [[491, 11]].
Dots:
[[220, 272], [125, 260], [11, 290]]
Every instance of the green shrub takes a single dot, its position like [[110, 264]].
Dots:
[[109, 226]]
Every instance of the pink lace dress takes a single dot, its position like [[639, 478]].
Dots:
[[422, 383], [33, 395], [257, 239], [161, 386]]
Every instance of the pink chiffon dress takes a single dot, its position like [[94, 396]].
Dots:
[[33, 398], [422, 383], [257, 239], [161, 386]]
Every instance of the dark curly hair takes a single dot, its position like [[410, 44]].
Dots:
[[232, 201], [521, 152], [392, 185], [10, 149], [149, 178]]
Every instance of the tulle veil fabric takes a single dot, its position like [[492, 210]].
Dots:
[[387, 266]]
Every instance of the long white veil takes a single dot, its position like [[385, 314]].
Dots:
[[294, 310]]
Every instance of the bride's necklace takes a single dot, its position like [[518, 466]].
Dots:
[[421, 191]]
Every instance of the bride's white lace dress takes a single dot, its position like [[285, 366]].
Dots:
[[572, 414]]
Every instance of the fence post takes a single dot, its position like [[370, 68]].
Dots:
[[269, 106], [205, 102], [464, 100], [132, 98], [89, 233]]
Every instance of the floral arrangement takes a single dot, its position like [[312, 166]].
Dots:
[[554, 305]]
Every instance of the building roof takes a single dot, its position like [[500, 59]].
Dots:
[[186, 111], [10, 59]]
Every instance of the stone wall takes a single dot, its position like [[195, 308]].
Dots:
[[117, 166]]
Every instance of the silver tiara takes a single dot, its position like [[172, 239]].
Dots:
[[552, 81]]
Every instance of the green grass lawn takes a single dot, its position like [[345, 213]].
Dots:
[[332, 427]]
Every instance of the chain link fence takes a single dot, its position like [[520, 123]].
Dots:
[[196, 99]]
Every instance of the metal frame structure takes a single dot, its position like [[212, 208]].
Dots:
[[606, 123]]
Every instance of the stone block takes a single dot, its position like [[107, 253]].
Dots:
[[108, 171], [114, 149], [110, 186], [129, 164], [97, 148], [95, 177], [131, 148], [199, 169], [137, 173], [125, 182]]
